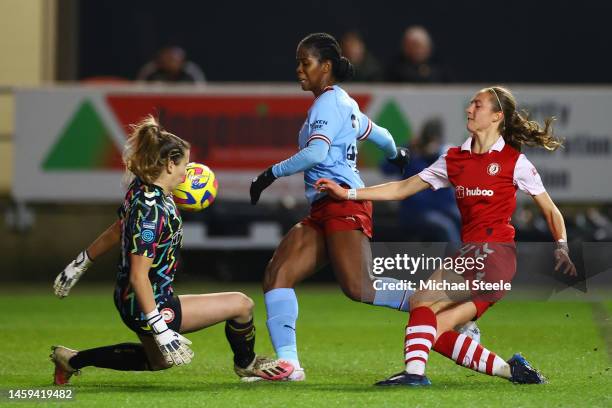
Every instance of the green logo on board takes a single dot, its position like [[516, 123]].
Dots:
[[391, 118], [84, 144]]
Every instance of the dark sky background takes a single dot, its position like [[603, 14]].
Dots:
[[481, 41]]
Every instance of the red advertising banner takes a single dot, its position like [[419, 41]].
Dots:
[[226, 132]]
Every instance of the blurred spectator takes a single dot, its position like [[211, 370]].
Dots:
[[367, 67], [413, 64], [430, 216], [171, 65]]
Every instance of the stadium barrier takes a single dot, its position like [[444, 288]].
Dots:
[[68, 140]]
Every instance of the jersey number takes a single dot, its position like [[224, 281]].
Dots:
[[351, 153]]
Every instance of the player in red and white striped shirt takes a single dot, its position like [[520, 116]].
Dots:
[[485, 171]]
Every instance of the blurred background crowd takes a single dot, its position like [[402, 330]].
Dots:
[[438, 41], [391, 44], [413, 63]]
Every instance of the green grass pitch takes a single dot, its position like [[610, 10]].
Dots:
[[345, 347]]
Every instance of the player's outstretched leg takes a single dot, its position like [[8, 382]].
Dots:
[[351, 257], [123, 357], [466, 352]]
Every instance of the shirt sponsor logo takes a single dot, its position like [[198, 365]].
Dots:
[[148, 225], [318, 124], [462, 192], [493, 169]]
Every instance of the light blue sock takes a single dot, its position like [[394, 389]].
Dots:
[[394, 299], [282, 307]]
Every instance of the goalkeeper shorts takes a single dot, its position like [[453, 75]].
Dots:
[[169, 307]]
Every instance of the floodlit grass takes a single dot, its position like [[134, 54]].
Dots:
[[344, 346]]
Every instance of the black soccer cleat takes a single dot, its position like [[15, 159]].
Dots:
[[403, 378], [523, 373]]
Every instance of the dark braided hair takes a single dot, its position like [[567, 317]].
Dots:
[[326, 48]]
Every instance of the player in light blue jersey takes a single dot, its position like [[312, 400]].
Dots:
[[334, 232]]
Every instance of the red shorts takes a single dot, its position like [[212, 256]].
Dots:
[[496, 265], [328, 216]]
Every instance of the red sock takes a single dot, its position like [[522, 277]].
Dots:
[[420, 335], [468, 353]]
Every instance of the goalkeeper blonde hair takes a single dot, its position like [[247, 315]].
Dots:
[[149, 149]]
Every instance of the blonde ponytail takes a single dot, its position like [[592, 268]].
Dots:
[[148, 149]]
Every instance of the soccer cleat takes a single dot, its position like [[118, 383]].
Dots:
[[264, 368], [403, 378], [523, 373], [298, 374], [60, 356]]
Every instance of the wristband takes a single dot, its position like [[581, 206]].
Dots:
[[352, 194], [83, 260], [562, 245], [156, 321]]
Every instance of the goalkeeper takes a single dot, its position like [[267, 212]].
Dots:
[[150, 231]]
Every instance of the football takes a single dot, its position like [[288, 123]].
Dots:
[[198, 189]]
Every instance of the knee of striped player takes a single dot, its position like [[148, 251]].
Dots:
[[444, 326], [468, 353]]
